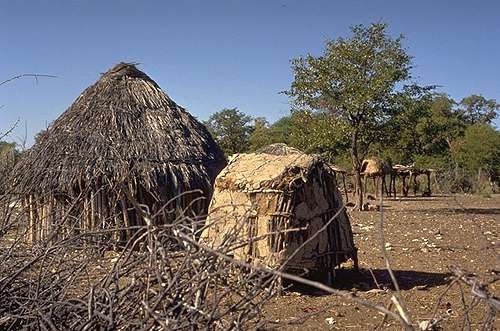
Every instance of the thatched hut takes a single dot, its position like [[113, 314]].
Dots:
[[284, 210], [123, 140]]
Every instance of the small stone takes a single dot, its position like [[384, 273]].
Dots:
[[330, 320], [424, 325]]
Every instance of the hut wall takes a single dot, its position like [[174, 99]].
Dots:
[[52, 218], [273, 224]]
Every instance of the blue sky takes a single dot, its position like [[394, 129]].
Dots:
[[208, 55]]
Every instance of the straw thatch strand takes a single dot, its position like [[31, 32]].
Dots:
[[123, 131]]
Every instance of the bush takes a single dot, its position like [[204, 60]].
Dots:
[[478, 154]]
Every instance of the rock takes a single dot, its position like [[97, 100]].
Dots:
[[424, 325], [370, 207], [422, 287], [330, 320]]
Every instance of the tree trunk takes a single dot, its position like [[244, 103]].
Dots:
[[358, 190], [356, 165]]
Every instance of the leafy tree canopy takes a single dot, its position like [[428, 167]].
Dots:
[[476, 109], [231, 129], [478, 149], [261, 135], [355, 80]]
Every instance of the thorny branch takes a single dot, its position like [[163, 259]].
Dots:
[[36, 76]]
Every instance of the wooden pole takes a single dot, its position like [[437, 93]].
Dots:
[[345, 188], [32, 218], [404, 191], [414, 177], [126, 220], [92, 212]]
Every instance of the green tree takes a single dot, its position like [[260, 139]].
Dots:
[[476, 109], [355, 81], [280, 130], [401, 141], [261, 134], [426, 126], [231, 129], [435, 130], [317, 132], [478, 151]]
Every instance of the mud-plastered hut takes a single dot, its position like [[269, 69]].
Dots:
[[122, 143], [284, 149], [280, 211]]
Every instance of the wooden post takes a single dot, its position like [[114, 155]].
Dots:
[[126, 220], [404, 189], [428, 192], [345, 188], [92, 212], [414, 178], [429, 182], [31, 219]]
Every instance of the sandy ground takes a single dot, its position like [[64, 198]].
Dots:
[[424, 236]]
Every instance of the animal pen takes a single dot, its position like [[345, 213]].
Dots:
[[285, 212], [123, 145]]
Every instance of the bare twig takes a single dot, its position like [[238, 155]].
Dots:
[[36, 76]]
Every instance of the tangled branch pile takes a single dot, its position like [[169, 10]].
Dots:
[[157, 281]]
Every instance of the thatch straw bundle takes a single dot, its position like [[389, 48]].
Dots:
[[286, 211], [122, 133]]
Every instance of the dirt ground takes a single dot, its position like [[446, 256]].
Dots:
[[424, 236]]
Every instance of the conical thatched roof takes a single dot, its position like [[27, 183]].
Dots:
[[123, 126]]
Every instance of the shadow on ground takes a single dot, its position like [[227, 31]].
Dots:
[[396, 200], [458, 210], [364, 280]]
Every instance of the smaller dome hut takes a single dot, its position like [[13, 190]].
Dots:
[[281, 211], [284, 149], [121, 144]]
